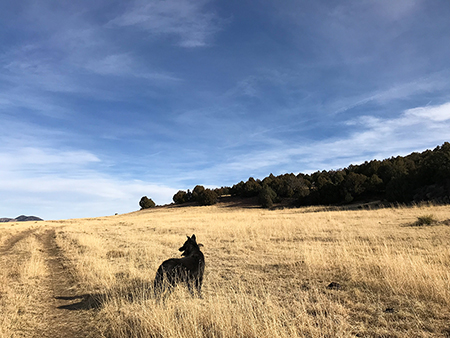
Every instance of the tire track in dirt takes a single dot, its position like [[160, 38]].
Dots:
[[13, 240], [55, 291], [62, 285]]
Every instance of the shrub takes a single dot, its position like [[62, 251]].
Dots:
[[146, 203], [251, 188], [207, 197], [266, 197], [425, 220], [265, 201], [198, 190], [180, 197]]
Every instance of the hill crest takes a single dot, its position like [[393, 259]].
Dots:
[[21, 218]]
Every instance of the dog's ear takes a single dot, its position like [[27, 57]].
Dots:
[[193, 238]]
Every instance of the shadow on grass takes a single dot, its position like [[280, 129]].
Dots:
[[87, 301], [139, 290]]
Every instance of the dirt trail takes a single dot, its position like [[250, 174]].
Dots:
[[11, 241], [62, 284], [54, 293]]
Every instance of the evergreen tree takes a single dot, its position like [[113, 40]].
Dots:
[[146, 203], [266, 196], [180, 197], [207, 197], [198, 190]]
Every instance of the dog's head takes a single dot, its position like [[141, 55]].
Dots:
[[189, 246]]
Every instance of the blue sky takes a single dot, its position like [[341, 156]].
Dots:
[[103, 102]]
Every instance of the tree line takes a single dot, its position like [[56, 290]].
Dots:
[[416, 177]]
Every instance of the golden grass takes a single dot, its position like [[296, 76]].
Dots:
[[267, 272], [23, 269]]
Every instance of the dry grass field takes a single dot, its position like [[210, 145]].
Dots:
[[268, 274]]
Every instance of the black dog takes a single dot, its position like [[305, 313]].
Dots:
[[187, 270]]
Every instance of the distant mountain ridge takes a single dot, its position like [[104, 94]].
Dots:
[[21, 218]]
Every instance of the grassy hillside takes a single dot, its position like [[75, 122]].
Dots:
[[267, 273]]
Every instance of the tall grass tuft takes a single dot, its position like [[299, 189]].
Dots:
[[425, 220]]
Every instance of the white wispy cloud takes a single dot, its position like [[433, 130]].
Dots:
[[406, 90], [17, 98], [36, 156], [60, 184], [413, 130], [79, 57], [56, 198], [125, 65], [187, 20], [46, 75], [439, 113], [395, 10]]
